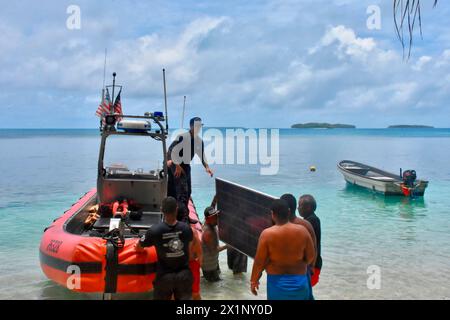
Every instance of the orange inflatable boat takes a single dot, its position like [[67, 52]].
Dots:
[[81, 260], [91, 247]]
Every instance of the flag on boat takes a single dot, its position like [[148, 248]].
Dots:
[[105, 106], [118, 106]]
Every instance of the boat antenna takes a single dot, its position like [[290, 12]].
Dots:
[[182, 115], [165, 100], [104, 77], [112, 97]]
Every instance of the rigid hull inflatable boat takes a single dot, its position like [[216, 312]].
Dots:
[[91, 247], [68, 250]]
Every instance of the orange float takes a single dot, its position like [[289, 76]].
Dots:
[[80, 262]]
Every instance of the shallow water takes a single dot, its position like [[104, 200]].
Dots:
[[45, 171]]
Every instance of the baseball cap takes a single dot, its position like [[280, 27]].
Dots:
[[210, 211]]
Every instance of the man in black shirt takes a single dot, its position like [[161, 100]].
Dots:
[[306, 207], [171, 239], [179, 157]]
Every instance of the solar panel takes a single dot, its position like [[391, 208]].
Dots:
[[245, 213]]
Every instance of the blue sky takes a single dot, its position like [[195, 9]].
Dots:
[[240, 63]]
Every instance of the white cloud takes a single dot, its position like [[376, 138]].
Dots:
[[348, 42], [423, 60], [75, 65], [381, 98]]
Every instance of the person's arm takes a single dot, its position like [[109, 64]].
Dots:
[[312, 233], [172, 145], [214, 201], [146, 240], [201, 155], [310, 251], [178, 169], [259, 263], [189, 235], [196, 248], [199, 253], [207, 239]]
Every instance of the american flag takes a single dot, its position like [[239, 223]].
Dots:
[[118, 105], [104, 107]]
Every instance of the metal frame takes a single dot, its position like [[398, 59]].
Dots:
[[236, 220], [109, 130]]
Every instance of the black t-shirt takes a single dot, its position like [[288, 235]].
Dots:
[[315, 222], [172, 245], [188, 142]]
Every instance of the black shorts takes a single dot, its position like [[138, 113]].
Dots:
[[212, 276], [180, 187], [178, 284], [236, 261]]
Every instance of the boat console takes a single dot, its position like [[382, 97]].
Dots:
[[145, 189]]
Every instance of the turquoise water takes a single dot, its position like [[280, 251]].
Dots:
[[45, 171]]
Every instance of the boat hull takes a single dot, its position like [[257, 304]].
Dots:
[[387, 185], [83, 263]]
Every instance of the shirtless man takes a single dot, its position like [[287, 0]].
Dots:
[[292, 204], [284, 252]]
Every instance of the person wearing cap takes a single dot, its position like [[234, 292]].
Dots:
[[179, 157], [236, 261], [210, 246]]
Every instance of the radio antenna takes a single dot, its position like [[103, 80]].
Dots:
[[182, 115], [104, 77], [165, 100], [112, 98]]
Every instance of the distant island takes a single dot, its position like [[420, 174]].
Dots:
[[409, 126], [317, 125]]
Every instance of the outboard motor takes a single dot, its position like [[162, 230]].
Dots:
[[409, 178]]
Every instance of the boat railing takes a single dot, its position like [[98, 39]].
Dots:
[[110, 129]]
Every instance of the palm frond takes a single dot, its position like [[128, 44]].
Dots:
[[406, 13]]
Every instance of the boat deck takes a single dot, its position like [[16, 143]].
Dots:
[[382, 178], [146, 221]]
